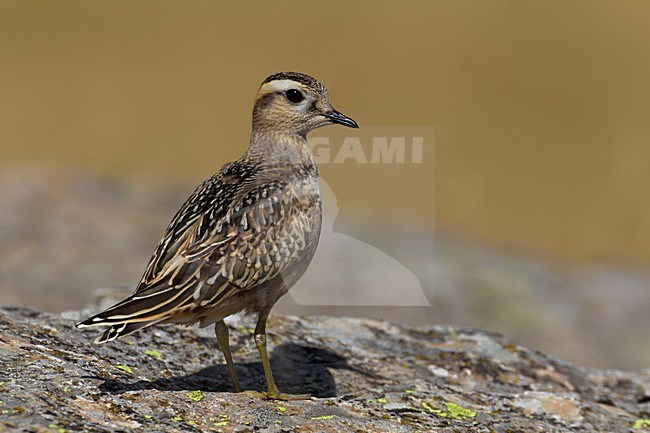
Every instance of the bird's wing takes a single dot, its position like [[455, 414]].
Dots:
[[227, 237]]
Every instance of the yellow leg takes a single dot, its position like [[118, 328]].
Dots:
[[272, 392], [223, 337]]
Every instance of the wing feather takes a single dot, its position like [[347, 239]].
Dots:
[[227, 238]]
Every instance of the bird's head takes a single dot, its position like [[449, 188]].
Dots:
[[294, 103]]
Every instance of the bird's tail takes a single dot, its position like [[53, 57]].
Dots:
[[135, 312], [116, 331]]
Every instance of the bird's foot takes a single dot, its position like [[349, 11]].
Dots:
[[278, 396]]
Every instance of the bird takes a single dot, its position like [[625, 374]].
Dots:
[[245, 235]]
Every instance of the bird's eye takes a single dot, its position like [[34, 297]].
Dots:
[[295, 96]]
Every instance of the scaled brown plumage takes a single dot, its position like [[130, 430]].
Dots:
[[246, 234]]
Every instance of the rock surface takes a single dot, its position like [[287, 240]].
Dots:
[[364, 376]]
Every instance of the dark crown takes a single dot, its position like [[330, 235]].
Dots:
[[295, 76]]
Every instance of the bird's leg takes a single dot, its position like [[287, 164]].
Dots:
[[272, 392], [221, 330]]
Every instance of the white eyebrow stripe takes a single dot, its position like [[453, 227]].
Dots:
[[279, 86]]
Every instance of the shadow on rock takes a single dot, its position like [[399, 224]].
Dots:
[[297, 369]]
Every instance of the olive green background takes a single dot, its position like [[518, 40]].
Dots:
[[541, 108]]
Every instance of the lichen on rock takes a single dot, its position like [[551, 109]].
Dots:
[[364, 375]]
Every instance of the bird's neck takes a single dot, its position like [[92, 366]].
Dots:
[[274, 148]]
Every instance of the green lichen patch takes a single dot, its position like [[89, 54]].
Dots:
[[322, 418], [153, 353], [427, 407], [221, 416], [124, 368], [221, 421], [56, 428], [195, 395], [453, 411], [458, 412], [641, 423]]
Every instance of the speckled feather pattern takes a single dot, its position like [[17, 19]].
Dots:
[[246, 234], [240, 241]]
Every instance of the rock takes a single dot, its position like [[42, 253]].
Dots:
[[364, 376]]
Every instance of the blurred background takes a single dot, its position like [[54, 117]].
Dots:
[[529, 213]]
